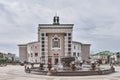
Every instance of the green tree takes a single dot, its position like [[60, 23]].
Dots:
[[2, 60]]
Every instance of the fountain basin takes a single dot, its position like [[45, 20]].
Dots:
[[81, 73], [73, 73]]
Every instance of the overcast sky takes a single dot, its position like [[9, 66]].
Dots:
[[96, 22]]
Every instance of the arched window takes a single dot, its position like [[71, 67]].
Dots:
[[55, 42]]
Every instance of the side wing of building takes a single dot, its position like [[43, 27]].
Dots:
[[80, 51], [22, 52], [29, 52], [85, 49], [33, 52]]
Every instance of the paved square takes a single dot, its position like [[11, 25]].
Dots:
[[16, 72]]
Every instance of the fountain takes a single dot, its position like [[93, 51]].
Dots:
[[70, 67]]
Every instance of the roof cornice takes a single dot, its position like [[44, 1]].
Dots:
[[56, 25]]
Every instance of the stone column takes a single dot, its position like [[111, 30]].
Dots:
[[46, 59], [65, 43]]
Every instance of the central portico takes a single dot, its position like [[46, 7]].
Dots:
[[55, 41]]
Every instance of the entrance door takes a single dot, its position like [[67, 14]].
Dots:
[[49, 60], [56, 61]]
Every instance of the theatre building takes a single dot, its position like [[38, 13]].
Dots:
[[54, 42]]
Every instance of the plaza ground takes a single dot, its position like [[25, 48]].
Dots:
[[16, 72]]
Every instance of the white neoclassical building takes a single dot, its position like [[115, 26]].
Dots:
[[54, 42]]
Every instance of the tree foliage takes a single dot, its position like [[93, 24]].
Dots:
[[2, 60]]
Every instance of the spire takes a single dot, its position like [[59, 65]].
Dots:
[[56, 20]]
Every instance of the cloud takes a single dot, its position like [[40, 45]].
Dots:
[[96, 21]]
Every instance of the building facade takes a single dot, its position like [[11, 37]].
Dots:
[[9, 56], [104, 57], [54, 42]]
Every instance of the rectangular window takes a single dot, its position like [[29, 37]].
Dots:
[[69, 38], [74, 47], [69, 45], [43, 46], [42, 34], [78, 54], [56, 43], [31, 55], [35, 47], [36, 54], [65, 34], [74, 54], [69, 49], [46, 34], [69, 41], [69, 34], [43, 42], [43, 53], [43, 49], [43, 38]]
